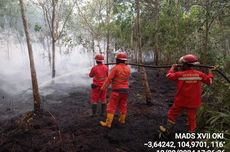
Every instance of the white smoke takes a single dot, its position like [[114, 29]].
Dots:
[[71, 69]]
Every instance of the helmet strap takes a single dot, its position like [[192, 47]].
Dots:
[[119, 61], [98, 62]]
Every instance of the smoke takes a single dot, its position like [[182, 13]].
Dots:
[[71, 68], [15, 79]]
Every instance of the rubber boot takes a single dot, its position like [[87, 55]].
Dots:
[[168, 128], [122, 118], [94, 110], [108, 121], [103, 107]]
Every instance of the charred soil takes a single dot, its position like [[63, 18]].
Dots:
[[65, 123]]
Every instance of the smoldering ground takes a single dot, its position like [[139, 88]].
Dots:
[[70, 128], [72, 68], [66, 124], [15, 91]]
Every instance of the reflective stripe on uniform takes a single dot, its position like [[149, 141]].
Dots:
[[115, 80], [100, 78], [189, 78], [121, 79]]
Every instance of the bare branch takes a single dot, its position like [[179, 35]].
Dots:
[[66, 19], [86, 21]]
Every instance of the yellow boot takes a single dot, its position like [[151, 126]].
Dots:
[[108, 121], [168, 128], [122, 118]]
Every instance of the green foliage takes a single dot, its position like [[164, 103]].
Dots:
[[9, 13], [37, 27], [214, 115], [121, 26]]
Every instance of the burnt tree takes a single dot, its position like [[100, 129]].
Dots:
[[144, 77], [36, 95]]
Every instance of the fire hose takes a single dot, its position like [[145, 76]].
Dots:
[[178, 65]]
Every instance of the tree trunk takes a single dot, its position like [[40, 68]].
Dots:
[[49, 51], [177, 26], [135, 41], [93, 49], [47, 38], [221, 26], [205, 42], [36, 95], [53, 35], [227, 50], [8, 44], [53, 58], [107, 47], [144, 77], [156, 54], [108, 29], [177, 18], [196, 34]]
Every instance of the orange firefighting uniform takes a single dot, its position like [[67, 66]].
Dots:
[[119, 77], [99, 73], [188, 94]]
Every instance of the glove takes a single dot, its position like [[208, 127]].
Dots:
[[93, 86]]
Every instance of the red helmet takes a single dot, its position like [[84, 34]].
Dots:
[[189, 58], [99, 57], [121, 56]]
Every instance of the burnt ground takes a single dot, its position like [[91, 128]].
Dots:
[[65, 123]]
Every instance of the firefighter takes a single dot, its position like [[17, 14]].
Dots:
[[188, 94], [99, 73], [118, 77]]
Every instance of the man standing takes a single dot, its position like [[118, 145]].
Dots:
[[99, 74], [118, 77], [188, 94]]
